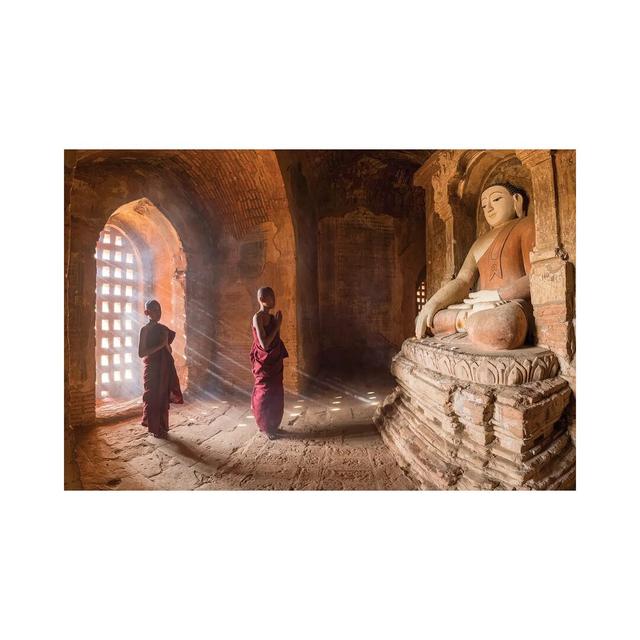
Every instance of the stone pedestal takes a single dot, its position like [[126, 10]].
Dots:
[[463, 419]]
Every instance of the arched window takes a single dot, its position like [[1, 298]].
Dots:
[[119, 309], [421, 289]]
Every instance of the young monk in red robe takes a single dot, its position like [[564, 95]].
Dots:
[[161, 384], [267, 354]]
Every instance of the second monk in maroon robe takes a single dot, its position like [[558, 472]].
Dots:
[[267, 355]]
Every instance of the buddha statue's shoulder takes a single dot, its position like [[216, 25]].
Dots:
[[526, 229], [525, 224]]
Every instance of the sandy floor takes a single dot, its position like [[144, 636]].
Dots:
[[330, 443]]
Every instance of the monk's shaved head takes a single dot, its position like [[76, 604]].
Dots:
[[264, 292], [150, 305]]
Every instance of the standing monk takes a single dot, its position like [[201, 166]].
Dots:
[[267, 355], [161, 384]]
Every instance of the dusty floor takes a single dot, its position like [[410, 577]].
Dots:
[[331, 443]]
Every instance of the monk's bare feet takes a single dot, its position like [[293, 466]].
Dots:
[[272, 435]]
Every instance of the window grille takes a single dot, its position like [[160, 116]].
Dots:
[[118, 316]]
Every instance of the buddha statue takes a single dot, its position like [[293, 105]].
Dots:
[[498, 315]]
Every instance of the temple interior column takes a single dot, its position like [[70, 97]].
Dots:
[[552, 274]]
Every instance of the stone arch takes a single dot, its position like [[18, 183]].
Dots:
[[163, 265]]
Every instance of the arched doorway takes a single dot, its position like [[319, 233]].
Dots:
[[139, 256]]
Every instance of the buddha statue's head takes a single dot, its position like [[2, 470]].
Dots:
[[503, 202]]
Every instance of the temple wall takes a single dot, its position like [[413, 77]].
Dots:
[[264, 256], [360, 288], [367, 278], [71, 469], [565, 163], [553, 259], [435, 249], [368, 267], [253, 245], [305, 221], [360, 229]]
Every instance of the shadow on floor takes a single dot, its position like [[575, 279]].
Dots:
[[178, 446], [359, 430]]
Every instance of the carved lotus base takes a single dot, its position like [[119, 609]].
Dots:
[[455, 356], [460, 419]]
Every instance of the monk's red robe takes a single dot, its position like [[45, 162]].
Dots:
[[161, 384], [267, 399]]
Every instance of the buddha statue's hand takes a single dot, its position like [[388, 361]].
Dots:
[[421, 326], [424, 320], [484, 295]]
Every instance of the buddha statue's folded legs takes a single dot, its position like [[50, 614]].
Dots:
[[490, 326]]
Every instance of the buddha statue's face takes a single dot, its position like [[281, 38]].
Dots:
[[498, 205]]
